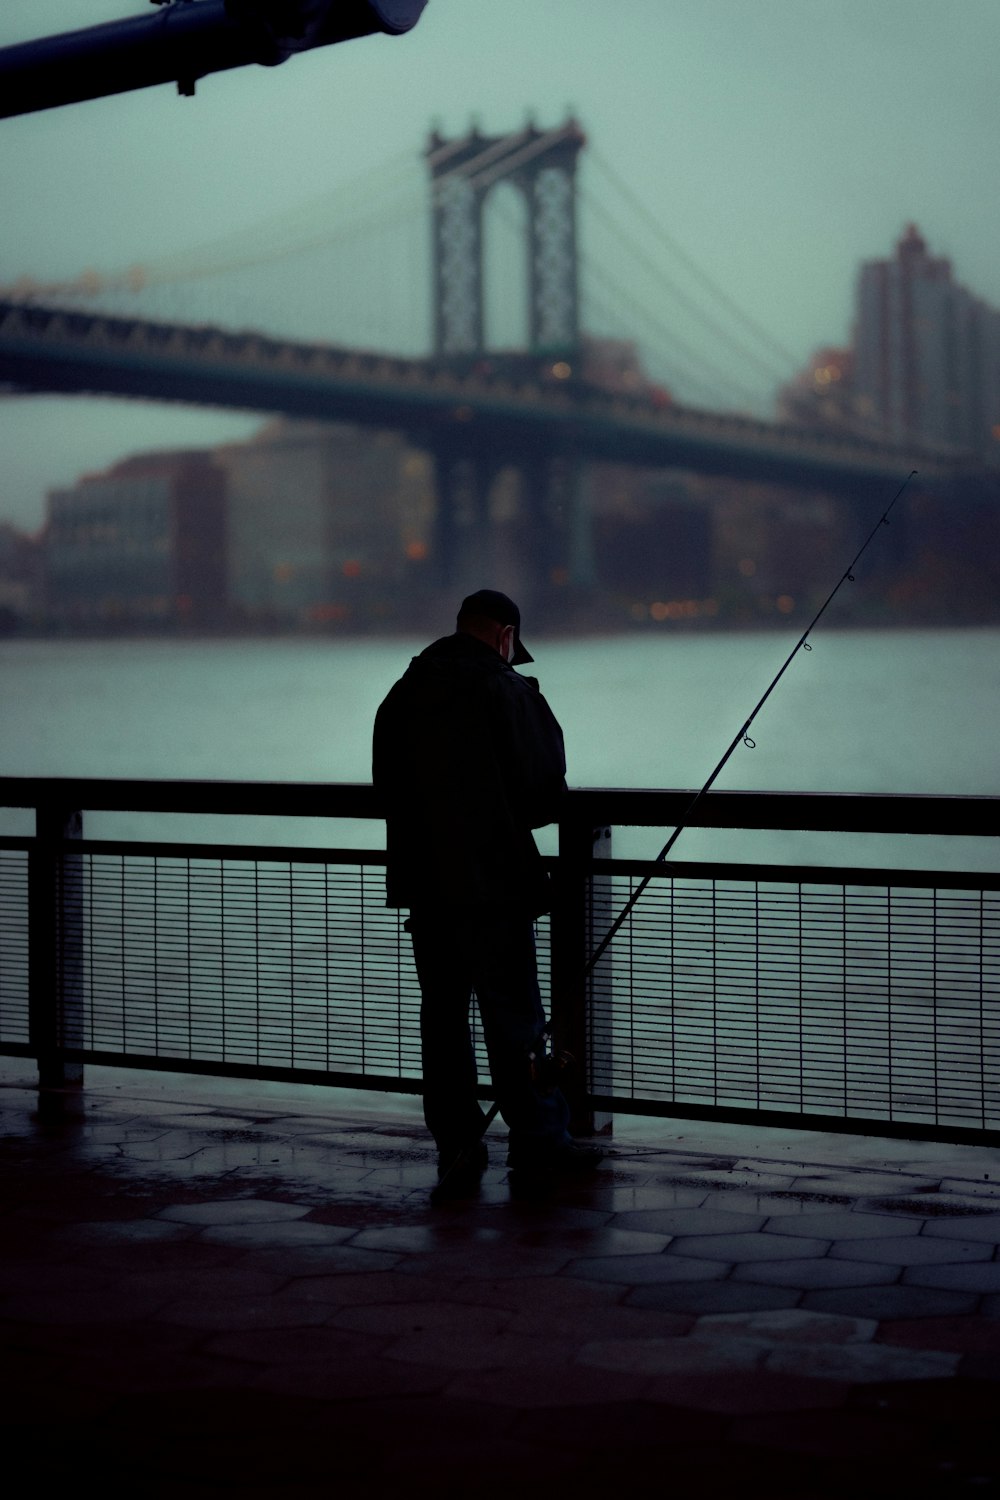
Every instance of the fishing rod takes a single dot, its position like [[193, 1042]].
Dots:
[[542, 1061], [742, 737]]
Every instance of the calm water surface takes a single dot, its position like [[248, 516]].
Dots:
[[861, 712]]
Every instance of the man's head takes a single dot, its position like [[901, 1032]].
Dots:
[[492, 617]]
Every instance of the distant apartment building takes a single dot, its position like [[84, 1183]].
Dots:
[[142, 545], [822, 394], [926, 352], [20, 578], [328, 524], [652, 535]]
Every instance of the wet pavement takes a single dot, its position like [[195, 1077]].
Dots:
[[208, 1288]]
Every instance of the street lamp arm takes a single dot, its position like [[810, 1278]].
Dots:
[[184, 40]]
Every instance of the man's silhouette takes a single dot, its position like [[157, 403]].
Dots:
[[469, 758]]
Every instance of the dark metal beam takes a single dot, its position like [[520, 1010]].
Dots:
[[845, 812]]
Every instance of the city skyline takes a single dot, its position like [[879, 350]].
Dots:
[[779, 145]]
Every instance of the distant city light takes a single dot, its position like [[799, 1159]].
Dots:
[[323, 614], [561, 370], [747, 567], [674, 609], [785, 603]]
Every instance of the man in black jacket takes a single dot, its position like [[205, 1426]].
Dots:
[[469, 758]]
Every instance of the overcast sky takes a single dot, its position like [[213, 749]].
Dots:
[[777, 142]]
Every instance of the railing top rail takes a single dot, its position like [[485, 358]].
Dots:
[[701, 872], [844, 812], [245, 798], [723, 872], [814, 812]]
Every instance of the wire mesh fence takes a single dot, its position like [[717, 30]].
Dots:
[[854, 1000], [284, 962], [14, 964], [281, 961], [842, 999]]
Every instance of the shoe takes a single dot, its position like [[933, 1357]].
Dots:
[[571, 1159], [460, 1174], [475, 1158]]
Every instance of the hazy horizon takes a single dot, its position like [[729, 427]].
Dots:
[[770, 148]]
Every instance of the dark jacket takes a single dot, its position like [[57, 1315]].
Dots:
[[468, 758]]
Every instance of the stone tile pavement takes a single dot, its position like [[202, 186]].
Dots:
[[215, 1289]]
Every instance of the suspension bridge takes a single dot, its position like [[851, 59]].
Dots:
[[563, 325]]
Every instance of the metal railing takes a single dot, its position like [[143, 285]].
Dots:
[[835, 998]]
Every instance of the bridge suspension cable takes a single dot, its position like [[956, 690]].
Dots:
[[659, 274], [368, 202], [680, 359], [785, 357]]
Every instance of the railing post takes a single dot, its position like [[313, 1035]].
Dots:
[[55, 953], [572, 930], [601, 913]]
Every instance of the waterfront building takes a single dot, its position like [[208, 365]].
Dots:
[[20, 573], [328, 524], [141, 545]]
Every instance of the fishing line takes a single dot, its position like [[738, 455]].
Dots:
[[465, 1156], [742, 737]]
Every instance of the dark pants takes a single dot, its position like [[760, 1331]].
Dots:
[[458, 955]]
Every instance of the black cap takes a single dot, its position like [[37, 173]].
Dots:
[[490, 604]]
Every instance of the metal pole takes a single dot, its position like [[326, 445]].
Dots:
[[55, 952]]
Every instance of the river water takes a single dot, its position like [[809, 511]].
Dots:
[[913, 711]]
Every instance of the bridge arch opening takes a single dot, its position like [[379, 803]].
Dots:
[[506, 269]]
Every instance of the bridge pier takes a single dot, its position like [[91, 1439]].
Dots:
[[461, 535], [530, 540]]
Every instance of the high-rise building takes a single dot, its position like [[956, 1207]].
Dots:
[[926, 352]]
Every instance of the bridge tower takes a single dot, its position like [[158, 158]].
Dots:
[[541, 165], [471, 456]]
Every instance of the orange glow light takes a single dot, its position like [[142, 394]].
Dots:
[[322, 614]]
